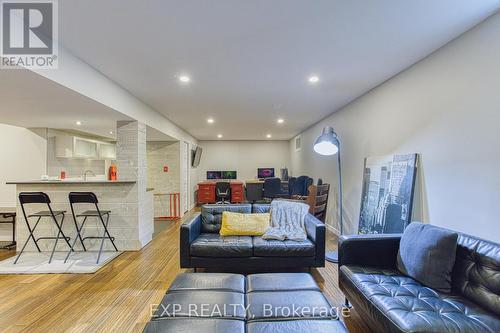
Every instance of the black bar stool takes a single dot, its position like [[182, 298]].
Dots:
[[89, 198], [41, 198]]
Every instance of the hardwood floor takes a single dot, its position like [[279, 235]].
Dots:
[[118, 297]]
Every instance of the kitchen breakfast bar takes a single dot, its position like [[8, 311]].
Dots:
[[131, 221]]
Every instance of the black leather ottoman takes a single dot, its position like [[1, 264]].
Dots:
[[220, 303], [288, 303]]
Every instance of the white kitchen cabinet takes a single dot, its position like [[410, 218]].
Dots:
[[68, 146], [64, 146], [107, 151], [84, 148]]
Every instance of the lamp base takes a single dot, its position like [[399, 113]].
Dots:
[[332, 256]]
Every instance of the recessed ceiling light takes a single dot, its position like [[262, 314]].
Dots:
[[78, 123], [210, 120], [110, 132], [280, 120], [313, 79], [219, 136], [184, 78], [268, 136]]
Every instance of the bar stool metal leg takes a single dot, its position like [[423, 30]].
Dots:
[[79, 236], [112, 239], [31, 231], [105, 225], [59, 233]]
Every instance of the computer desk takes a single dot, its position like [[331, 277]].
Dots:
[[255, 189], [207, 195]]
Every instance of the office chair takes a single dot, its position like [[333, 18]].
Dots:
[[254, 192], [272, 188], [309, 182], [223, 192], [301, 185], [291, 183]]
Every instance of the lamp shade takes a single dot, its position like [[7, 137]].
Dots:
[[327, 143]]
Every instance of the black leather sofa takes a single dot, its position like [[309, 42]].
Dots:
[[233, 303], [391, 302], [201, 246]]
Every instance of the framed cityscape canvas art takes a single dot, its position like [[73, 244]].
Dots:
[[387, 194]]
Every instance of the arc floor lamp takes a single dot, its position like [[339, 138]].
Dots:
[[328, 144]]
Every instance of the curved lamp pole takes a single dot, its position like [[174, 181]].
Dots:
[[328, 144]]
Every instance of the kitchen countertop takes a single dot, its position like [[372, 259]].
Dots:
[[7, 210], [65, 182]]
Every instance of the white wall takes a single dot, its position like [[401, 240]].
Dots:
[[160, 154], [23, 157], [447, 108], [24, 154], [243, 156]]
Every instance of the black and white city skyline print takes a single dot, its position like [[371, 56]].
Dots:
[[387, 194]]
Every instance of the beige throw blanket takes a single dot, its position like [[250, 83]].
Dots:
[[287, 221]]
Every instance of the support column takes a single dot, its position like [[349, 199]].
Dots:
[[131, 165]]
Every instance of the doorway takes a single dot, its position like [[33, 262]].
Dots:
[[185, 158]]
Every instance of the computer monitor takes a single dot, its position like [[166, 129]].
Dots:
[[214, 175], [265, 173], [228, 174]]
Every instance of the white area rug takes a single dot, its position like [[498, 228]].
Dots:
[[38, 263]]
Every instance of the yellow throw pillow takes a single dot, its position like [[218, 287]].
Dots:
[[237, 224]]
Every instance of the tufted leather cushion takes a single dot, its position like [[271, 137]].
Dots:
[[214, 245], [476, 274], [276, 305], [208, 281], [280, 281], [205, 325], [286, 248], [297, 326], [202, 303], [402, 304], [211, 215], [261, 208]]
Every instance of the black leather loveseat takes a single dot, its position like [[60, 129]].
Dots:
[[201, 246], [392, 302]]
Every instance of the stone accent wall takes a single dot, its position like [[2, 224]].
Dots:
[[131, 165]]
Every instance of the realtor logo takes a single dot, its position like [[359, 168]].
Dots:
[[29, 34]]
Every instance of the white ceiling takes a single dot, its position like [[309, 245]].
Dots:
[[249, 60], [30, 100]]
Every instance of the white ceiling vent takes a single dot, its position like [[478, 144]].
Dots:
[[298, 143]]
